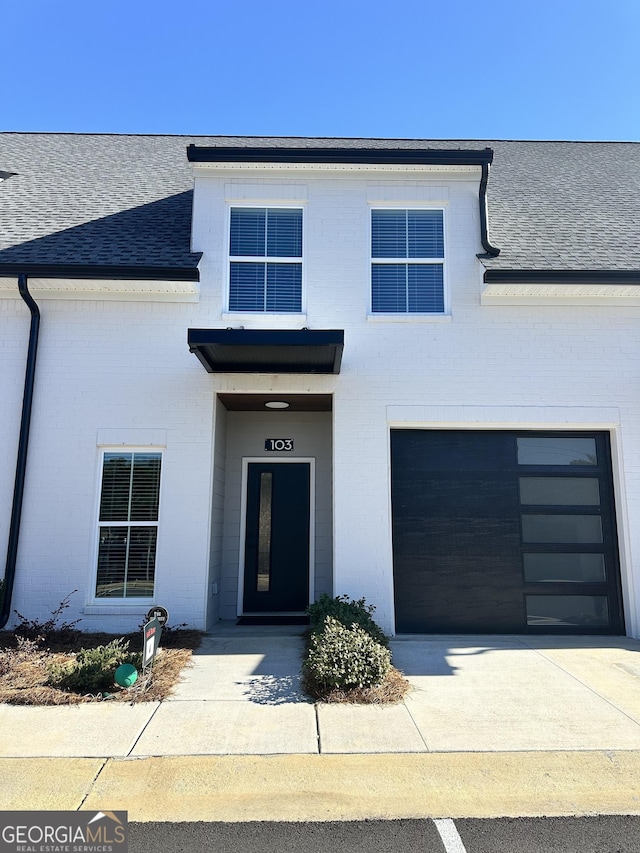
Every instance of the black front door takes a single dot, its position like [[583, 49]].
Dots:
[[276, 555]]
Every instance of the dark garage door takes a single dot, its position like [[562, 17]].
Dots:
[[504, 532]]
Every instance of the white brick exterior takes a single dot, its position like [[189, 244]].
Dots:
[[114, 373]]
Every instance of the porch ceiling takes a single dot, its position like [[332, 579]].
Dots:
[[256, 402]]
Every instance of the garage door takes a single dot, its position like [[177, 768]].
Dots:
[[504, 532]]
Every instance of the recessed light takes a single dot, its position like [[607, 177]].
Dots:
[[276, 404]]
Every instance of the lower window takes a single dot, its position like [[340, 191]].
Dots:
[[128, 525]]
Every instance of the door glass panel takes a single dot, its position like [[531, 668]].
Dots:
[[561, 528], [556, 451], [564, 568], [561, 491], [553, 610], [264, 532]]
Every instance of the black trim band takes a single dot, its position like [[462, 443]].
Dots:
[[98, 271], [402, 156], [562, 277]]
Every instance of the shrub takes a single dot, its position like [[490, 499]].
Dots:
[[348, 612], [92, 670], [33, 628], [344, 657]]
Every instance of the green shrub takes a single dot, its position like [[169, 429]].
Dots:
[[92, 670], [344, 657], [348, 612]]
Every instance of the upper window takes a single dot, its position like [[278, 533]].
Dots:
[[407, 261], [128, 525], [265, 271]]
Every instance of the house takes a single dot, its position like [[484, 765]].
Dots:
[[271, 368]]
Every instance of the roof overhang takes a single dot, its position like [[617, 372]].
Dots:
[[375, 156], [101, 271], [561, 287], [267, 350]]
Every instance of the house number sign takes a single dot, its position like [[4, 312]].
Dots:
[[278, 444]]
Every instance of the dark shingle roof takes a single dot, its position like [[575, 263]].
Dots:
[[126, 200]]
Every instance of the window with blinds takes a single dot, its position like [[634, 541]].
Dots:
[[407, 261], [128, 525], [265, 269]]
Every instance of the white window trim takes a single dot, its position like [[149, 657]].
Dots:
[[407, 316], [243, 518], [99, 604], [293, 205]]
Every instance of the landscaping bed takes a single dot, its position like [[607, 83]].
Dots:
[[64, 666]]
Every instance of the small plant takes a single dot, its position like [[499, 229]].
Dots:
[[344, 657], [348, 612], [92, 670], [26, 653], [32, 628]]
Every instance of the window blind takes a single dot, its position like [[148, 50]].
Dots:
[[398, 237], [268, 285], [407, 234], [126, 551]]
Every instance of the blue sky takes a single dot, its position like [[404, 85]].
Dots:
[[417, 68]]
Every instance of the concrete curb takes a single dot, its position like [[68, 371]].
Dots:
[[331, 787]]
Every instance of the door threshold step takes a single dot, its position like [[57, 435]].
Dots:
[[273, 619]]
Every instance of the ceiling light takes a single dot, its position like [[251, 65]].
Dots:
[[276, 404]]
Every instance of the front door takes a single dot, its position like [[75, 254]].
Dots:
[[276, 553]]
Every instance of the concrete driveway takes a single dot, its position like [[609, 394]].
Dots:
[[242, 696]]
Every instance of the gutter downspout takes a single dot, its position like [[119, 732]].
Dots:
[[490, 250], [23, 443]]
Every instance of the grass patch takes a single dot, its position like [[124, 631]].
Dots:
[[32, 669]]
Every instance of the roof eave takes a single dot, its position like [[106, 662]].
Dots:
[[402, 156]]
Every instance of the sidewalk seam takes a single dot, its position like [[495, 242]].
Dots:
[[417, 727], [142, 730], [105, 761], [318, 740]]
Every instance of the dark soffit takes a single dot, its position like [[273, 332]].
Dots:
[[268, 350]]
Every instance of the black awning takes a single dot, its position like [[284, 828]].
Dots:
[[268, 350]]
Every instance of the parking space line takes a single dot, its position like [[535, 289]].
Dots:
[[449, 836]]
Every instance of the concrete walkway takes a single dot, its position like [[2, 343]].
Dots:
[[527, 723]]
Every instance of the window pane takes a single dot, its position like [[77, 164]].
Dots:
[[556, 451], [561, 528], [551, 610], [247, 231], [562, 491], [425, 288], [284, 233], [116, 486], [425, 234], [564, 568], [112, 561], [264, 532], [388, 233], [247, 287], [145, 491], [284, 288], [389, 288], [126, 562], [142, 562]]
